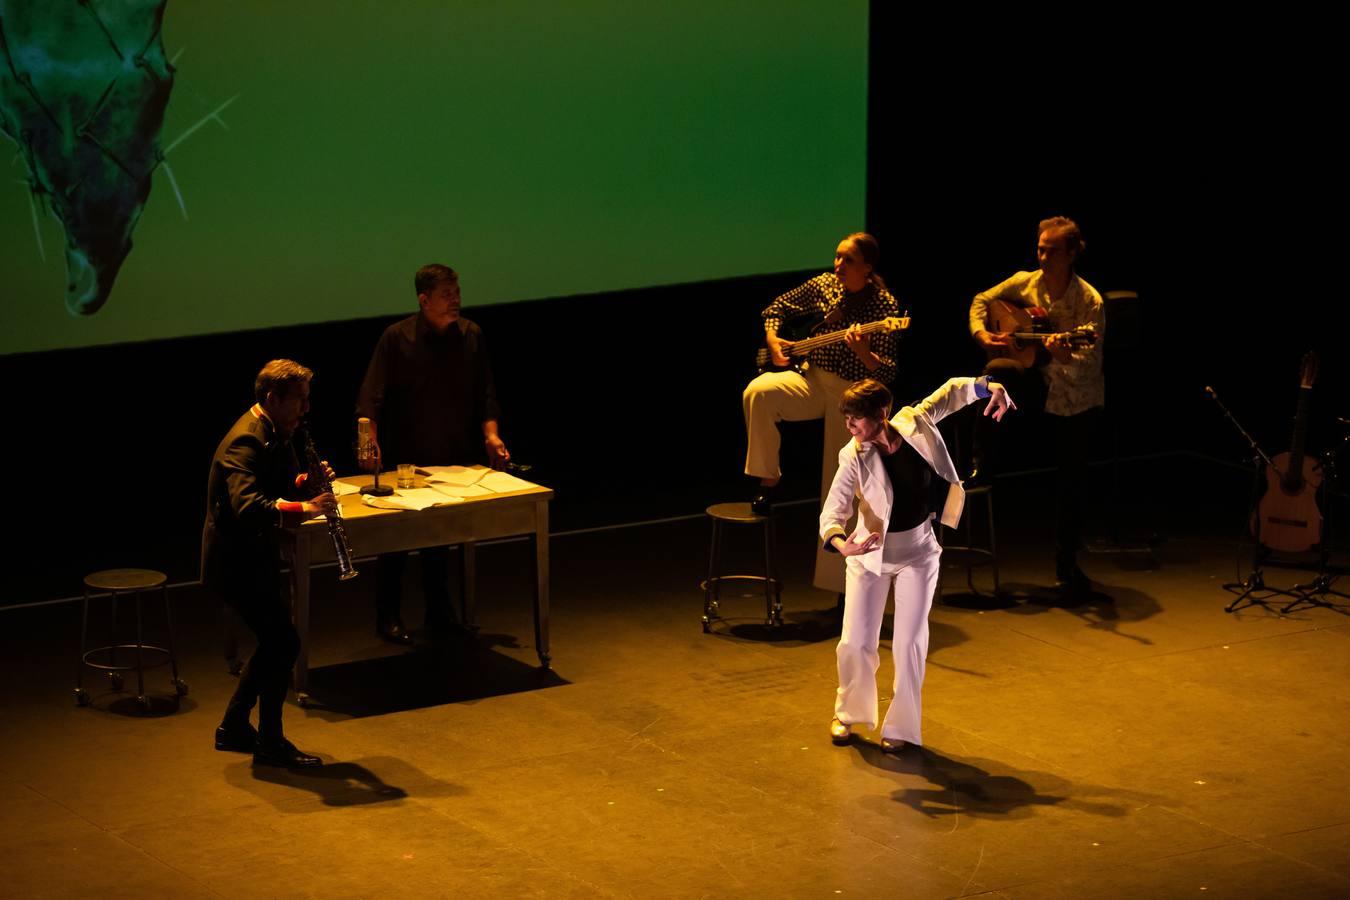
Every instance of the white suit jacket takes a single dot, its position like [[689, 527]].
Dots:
[[862, 474]]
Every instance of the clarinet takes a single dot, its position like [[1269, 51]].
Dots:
[[342, 548]]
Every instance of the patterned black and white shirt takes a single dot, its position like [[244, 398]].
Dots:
[[826, 296]]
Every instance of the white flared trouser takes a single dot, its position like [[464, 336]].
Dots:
[[777, 396], [910, 560]]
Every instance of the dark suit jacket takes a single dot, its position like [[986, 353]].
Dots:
[[252, 469]]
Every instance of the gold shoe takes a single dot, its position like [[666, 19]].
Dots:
[[839, 732], [891, 746]]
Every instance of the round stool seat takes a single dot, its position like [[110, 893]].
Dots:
[[124, 579], [133, 583], [734, 512]]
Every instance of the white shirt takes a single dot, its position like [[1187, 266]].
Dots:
[[1075, 386]]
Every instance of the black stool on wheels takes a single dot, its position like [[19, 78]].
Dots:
[[724, 514], [967, 554], [117, 582]]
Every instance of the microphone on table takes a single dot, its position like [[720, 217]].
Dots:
[[368, 451]]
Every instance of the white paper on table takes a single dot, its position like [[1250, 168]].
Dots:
[[412, 499], [501, 482], [342, 489], [460, 491], [457, 475]]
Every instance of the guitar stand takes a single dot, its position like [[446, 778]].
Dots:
[[1314, 593], [1253, 584]]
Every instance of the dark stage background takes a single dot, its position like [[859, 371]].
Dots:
[[1190, 183]]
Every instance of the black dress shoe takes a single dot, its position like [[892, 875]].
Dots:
[[1072, 581], [236, 739], [762, 504], [283, 753], [392, 630]]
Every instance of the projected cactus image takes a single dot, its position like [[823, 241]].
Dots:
[[83, 89], [306, 155]]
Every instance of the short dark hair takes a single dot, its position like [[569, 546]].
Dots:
[[278, 377], [868, 398], [428, 278], [1066, 228]]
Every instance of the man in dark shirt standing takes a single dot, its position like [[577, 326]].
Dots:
[[430, 397]]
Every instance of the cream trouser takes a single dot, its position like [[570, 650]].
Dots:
[[911, 560], [775, 396]]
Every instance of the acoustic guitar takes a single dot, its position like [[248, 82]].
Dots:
[[1287, 518], [796, 354], [1028, 328]]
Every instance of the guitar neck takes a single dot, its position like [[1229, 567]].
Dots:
[[1293, 476], [803, 347]]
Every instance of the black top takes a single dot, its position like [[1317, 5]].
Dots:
[[429, 393], [910, 476], [253, 468]]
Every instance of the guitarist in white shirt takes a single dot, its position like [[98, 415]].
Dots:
[[1066, 380]]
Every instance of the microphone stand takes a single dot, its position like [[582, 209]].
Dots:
[[1255, 582], [375, 489]]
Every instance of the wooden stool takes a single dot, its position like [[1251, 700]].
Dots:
[[723, 514], [117, 582], [968, 555]]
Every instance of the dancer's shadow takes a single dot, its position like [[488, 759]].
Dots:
[[965, 787]]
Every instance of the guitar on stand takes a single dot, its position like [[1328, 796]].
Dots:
[[807, 326], [1289, 507], [1027, 328], [1285, 517]]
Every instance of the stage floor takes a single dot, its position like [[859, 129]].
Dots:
[[1146, 745]]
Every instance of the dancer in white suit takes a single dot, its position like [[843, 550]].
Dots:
[[888, 467]]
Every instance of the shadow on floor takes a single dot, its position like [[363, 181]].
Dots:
[[961, 786], [465, 668], [801, 627], [1107, 607], [372, 780]]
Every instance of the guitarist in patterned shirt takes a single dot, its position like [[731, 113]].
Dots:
[[851, 296]]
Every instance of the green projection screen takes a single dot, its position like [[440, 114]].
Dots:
[[304, 158]]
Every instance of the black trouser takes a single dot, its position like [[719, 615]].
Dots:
[[1073, 438], [266, 677], [435, 584]]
